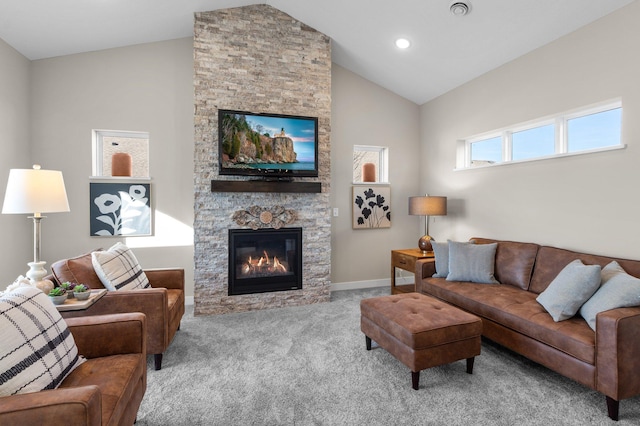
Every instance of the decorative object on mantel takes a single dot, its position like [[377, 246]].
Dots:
[[256, 217], [371, 207]]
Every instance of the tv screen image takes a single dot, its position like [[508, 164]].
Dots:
[[272, 145]]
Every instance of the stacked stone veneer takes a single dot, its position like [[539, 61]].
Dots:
[[258, 59]]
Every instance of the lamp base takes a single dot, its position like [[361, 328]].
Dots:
[[424, 243], [36, 272]]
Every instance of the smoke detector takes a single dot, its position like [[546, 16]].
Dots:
[[459, 8]]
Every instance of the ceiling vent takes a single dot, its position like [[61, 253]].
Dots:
[[459, 8]]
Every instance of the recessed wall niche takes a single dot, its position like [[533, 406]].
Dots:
[[257, 58]]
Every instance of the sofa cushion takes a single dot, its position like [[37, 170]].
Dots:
[[514, 261], [117, 378], [77, 270], [37, 350], [573, 286], [468, 262], [441, 255], [518, 310], [551, 260], [118, 269], [618, 290]]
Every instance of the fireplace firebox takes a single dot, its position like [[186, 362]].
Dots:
[[264, 260]]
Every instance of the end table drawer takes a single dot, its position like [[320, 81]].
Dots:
[[403, 261]]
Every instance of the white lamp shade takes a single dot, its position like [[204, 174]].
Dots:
[[35, 191]]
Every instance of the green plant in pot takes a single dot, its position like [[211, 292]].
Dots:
[[68, 287], [81, 292], [58, 295]]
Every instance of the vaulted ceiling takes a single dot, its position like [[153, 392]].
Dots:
[[446, 50]]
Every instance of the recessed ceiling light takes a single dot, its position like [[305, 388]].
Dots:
[[459, 8], [403, 43]]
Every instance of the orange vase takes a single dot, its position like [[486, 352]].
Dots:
[[368, 172], [121, 164]]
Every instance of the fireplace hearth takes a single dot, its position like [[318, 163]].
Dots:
[[264, 260]]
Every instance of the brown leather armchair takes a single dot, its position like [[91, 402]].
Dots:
[[107, 389], [163, 304]]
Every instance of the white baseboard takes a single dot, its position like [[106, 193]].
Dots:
[[355, 285], [350, 285]]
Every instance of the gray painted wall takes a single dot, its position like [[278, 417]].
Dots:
[[145, 87], [588, 202], [16, 230], [366, 114]]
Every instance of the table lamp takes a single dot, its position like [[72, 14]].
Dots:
[[35, 191], [427, 206]]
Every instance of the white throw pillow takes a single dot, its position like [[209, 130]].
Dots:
[[118, 269], [618, 290], [568, 291], [37, 350]]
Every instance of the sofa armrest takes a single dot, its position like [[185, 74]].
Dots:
[[166, 277], [69, 406], [153, 302], [425, 268], [618, 352], [105, 335]]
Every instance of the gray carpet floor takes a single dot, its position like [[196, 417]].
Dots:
[[309, 366]]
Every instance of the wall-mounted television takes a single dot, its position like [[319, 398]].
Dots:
[[271, 145]]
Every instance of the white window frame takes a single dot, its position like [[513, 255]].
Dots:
[[383, 160], [559, 121], [97, 149]]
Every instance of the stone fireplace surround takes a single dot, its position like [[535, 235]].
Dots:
[[259, 59]]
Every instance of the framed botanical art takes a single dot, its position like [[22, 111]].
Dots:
[[371, 206], [120, 209]]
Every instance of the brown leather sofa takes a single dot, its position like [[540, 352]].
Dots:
[[163, 304], [607, 360], [107, 389]]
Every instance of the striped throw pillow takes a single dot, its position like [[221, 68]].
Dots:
[[37, 350], [118, 269]]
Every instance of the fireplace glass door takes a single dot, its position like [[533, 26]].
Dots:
[[265, 260]]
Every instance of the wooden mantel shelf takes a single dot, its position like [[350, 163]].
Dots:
[[264, 186]]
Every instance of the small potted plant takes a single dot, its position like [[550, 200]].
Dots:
[[81, 292], [68, 288], [58, 295]]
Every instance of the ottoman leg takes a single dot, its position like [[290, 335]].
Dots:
[[415, 379], [368, 340], [470, 365]]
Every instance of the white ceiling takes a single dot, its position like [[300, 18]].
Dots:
[[446, 50]]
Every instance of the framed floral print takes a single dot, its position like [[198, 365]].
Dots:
[[371, 207], [120, 209]]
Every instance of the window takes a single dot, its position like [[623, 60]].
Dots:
[[590, 129], [486, 151], [370, 164], [594, 130], [113, 147], [533, 143]]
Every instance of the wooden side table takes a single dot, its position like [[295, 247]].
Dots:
[[406, 259]]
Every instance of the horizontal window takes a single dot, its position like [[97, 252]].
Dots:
[[589, 129]]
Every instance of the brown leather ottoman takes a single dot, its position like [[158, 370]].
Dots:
[[420, 331]]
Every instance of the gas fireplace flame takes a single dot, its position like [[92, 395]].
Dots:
[[265, 265], [278, 266]]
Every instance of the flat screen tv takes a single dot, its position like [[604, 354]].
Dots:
[[275, 146]]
